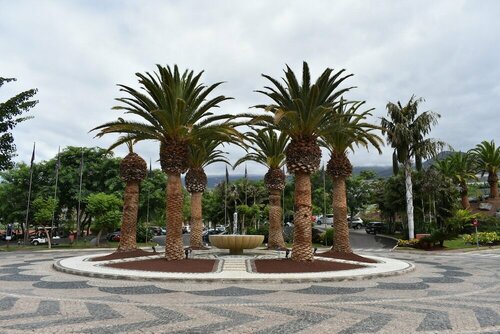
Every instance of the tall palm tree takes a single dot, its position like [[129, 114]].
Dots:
[[202, 152], [406, 133], [346, 131], [268, 149], [175, 109], [299, 110], [460, 168], [133, 170], [488, 159]]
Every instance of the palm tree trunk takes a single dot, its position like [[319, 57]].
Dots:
[[464, 194], [196, 221], [128, 231], [493, 181], [174, 249], [275, 226], [409, 200], [341, 241], [302, 235]]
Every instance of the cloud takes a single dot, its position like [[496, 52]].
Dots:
[[76, 52]]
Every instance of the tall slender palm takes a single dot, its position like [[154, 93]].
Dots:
[[406, 133], [460, 168], [488, 159], [175, 109], [202, 152], [348, 130], [268, 149], [133, 170], [299, 111]]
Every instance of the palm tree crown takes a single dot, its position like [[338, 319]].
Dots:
[[175, 109], [406, 131], [488, 160], [267, 146]]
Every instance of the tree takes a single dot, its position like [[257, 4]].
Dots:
[[360, 191], [175, 110], [343, 133], [299, 111], [406, 133], [105, 209], [133, 170], [44, 209], [10, 115], [460, 168], [268, 149], [488, 160], [203, 152]]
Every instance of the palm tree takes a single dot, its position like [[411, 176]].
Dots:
[[175, 109], [268, 149], [349, 129], [460, 168], [405, 132], [202, 153], [299, 110], [488, 159], [133, 170]]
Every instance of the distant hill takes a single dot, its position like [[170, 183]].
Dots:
[[214, 180]]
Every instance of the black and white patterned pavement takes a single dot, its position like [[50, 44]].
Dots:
[[447, 293]]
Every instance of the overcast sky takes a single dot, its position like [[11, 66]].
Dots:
[[75, 52]]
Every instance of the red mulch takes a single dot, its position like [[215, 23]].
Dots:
[[345, 256], [276, 266], [175, 266], [124, 255]]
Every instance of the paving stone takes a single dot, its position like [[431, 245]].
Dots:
[[231, 291], [68, 285], [135, 290], [326, 290], [403, 286]]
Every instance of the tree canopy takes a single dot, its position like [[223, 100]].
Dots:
[[10, 115]]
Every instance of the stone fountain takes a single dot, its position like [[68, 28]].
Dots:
[[236, 243]]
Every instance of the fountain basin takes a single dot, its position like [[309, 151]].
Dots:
[[236, 243]]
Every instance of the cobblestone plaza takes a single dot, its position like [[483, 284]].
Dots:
[[449, 293]]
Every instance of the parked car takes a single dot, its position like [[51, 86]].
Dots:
[[375, 227], [13, 236], [207, 233], [355, 223], [113, 236], [328, 220], [43, 240]]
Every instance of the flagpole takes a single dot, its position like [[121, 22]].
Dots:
[[79, 216], [26, 231], [55, 192]]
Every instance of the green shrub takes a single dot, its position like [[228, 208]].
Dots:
[[408, 243], [327, 237], [484, 238], [262, 230]]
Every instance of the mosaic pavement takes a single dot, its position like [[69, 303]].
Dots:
[[447, 293]]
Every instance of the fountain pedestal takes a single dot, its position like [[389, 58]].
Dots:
[[236, 243]]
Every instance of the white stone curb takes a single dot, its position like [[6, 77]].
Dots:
[[80, 265]]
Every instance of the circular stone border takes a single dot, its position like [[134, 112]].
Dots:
[[80, 265]]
